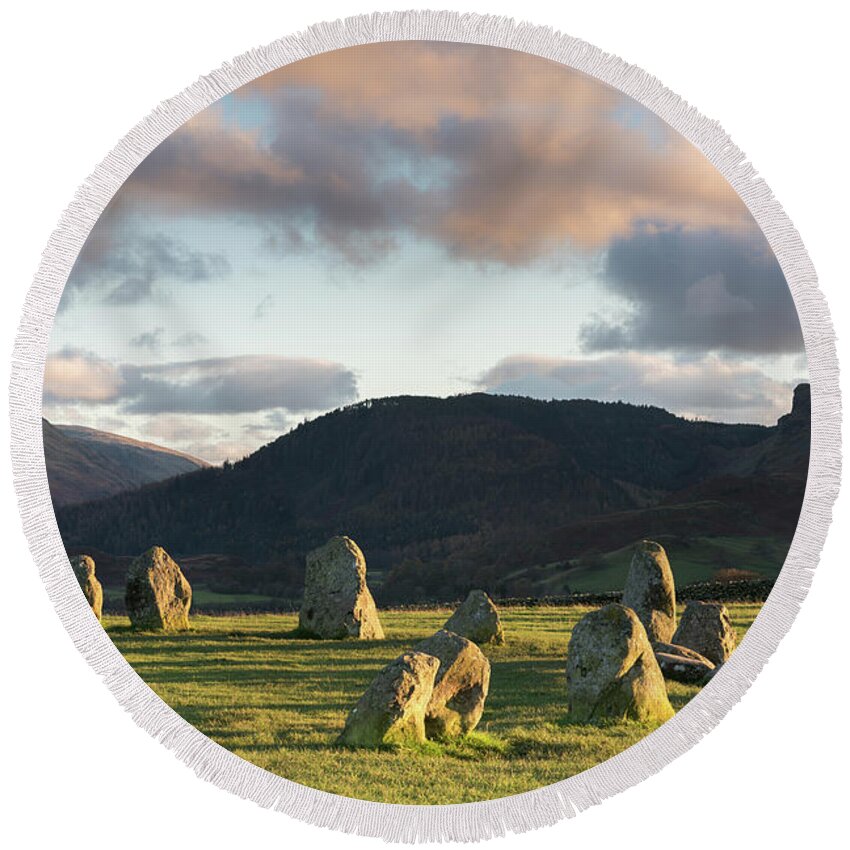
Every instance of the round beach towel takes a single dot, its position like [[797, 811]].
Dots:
[[423, 425]]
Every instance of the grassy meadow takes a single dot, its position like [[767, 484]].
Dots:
[[280, 703]]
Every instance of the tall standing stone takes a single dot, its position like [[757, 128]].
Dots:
[[83, 567], [461, 686], [651, 592], [707, 629], [337, 602], [158, 597], [477, 619], [392, 710], [612, 671]]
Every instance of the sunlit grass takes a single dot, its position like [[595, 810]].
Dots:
[[281, 702]]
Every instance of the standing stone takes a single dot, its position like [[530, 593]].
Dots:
[[84, 571], [337, 602], [461, 686], [158, 596], [682, 664], [650, 591], [706, 628], [392, 710], [612, 671], [477, 619]]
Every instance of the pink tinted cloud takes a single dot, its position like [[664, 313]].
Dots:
[[211, 386], [75, 375], [497, 155]]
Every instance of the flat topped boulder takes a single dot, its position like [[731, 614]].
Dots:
[[612, 671], [158, 597], [477, 619], [337, 602], [461, 686], [707, 629], [83, 566], [682, 664], [392, 710], [651, 592]]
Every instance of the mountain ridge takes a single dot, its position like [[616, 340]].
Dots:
[[462, 490], [84, 464]]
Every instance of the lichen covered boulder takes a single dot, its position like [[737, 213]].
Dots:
[[337, 602], [651, 592], [83, 567], [392, 710], [707, 629], [461, 686], [477, 619], [612, 671], [681, 664], [158, 597]]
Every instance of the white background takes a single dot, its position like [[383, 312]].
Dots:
[[78, 76]]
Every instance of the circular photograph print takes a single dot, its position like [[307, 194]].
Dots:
[[426, 422]]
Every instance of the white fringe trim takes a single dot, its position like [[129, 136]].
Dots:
[[469, 821]]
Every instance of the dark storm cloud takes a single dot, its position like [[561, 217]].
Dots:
[[128, 268], [221, 385], [698, 291]]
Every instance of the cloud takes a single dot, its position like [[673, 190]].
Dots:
[[190, 339], [128, 269], [272, 425], [237, 385], [262, 309], [174, 431], [149, 340], [201, 437], [358, 146], [221, 385], [711, 388], [75, 375], [523, 188], [311, 182], [696, 291], [211, 437]]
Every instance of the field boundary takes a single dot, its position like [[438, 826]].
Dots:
[[743, 590]]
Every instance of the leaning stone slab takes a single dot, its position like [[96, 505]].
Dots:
[[650, 591], [477, 619], [158, 597], [612, 671], [337, 602], [707, 628], [392, 710], [681, 664], [461, 686], [83, 566]]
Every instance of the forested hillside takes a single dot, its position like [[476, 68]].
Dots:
[[443, 494]]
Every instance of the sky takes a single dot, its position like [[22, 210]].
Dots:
[[417, 218]]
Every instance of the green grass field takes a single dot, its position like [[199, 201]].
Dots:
[[280, 703]]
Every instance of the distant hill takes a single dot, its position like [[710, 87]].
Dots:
[[84, 464], [511, 494]]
